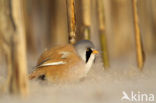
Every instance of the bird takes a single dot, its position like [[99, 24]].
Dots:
[[65, 63]]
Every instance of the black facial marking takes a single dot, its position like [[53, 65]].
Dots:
[[42, 77], [88, 53]]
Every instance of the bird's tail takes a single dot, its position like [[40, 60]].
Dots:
[[35, 74]]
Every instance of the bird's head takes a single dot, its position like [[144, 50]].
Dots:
[[86, 51]]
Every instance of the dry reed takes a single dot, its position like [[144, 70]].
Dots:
[[139, 46]]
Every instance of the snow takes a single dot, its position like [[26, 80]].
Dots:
[[100, 86]]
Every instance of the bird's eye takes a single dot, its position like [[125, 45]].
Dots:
[[88, 53]]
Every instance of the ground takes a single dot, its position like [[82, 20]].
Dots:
[[100, 86]]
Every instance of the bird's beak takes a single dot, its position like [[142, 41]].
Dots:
[[95, 52]]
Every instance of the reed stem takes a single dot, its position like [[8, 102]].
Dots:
[[71, 20], [139, 46], [102, 34], [13, 43], [86, 10]]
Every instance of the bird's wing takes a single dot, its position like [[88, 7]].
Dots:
[[55, 56], [54, 59], [51, 64]]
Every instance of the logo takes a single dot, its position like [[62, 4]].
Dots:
[[137, 97]]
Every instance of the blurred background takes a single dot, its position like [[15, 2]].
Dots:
[[46, 25]]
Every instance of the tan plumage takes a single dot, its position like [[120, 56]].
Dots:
[[71, 69]]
